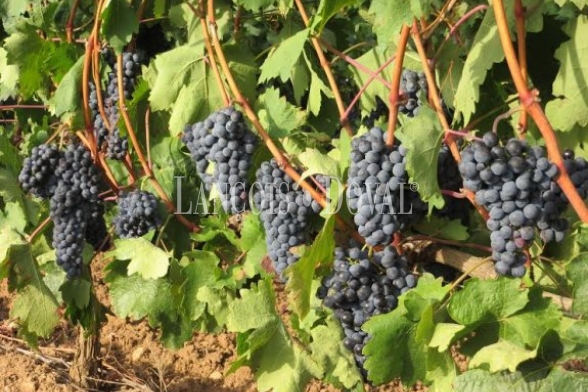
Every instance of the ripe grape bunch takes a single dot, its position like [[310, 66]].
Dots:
[[137, 214], [115, 144], [516, 184], [360, 288], [379, 188], [224, 139], [284, 213], [449, 178], [413, 86], [71, 182]]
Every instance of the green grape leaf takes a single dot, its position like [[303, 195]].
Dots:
[[68, 96], [487, 300], [335, 360], [318, 163], [147, 260], [119, 23], [76, 292], [443, 228], [404, 334], [326, 10], [301, 273], [445, 334], [8, 77], [253, 242], [202, 271], [390, 16], [279, 116], [577, 272], [570, 84], [254, 5], [35, 307], [282, 60], [422, 137]]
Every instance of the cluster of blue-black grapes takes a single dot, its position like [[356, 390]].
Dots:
[[225, 140], [379, 190], [115, 145], [361, 287], [449, 178], [284, 210], [516, 184], [137, 214], [71, 182], [413, 88]]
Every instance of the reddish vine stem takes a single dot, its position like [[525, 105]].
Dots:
[[395, 85], [139, 151], [366, 84], [38, 229], [522, 52], [436, 101], [328, 71], [462, 20], [70, 21], [355, 63], [281, 160], [210, 52], [536, 112], [440, 17]]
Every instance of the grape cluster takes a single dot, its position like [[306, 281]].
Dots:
[[516, 184], [224, 139], [360, 288], [285, 209], [378, 189], [379, 111], [116, 145], [413, 86], [137, 214], [37, 174], [71, 182], [449, 178]]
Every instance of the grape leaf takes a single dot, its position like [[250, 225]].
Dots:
[[443, 228], [149, 261], [254, 5], [282, 60], [300, 274], [119, 23], [577, 272], [317, 163], [336, 362], [68, 96], [253, 242], [8, 77], [390, 15], [201, 271], [34, 307], [500, 356], [445, 334], [422, 137], [490, 300], [571, 85], [279, 116], [326, 10], [76, 292]]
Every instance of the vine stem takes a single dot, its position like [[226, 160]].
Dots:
[[281, 160], [328, 71], [462, 20], [13, 107], [139, 151], [366, 84], [436, 100], [38, 229], [355, 63], [217, 76], [536, 112], [447, 7], [70, 21], [395, 85], [522, 52]]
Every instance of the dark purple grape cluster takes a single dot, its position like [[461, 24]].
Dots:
[[115, 145], [516, 184], [361, 287], [379, 190], [413, 86], [379, 111], [284, 211], [71, 182], [225, 140], [137, 214], [449, 179], [37, 175]]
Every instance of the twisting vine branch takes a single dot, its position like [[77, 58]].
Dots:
[[395, 85], [70, 21], [328, 71], [522, 51], [533, 108]]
